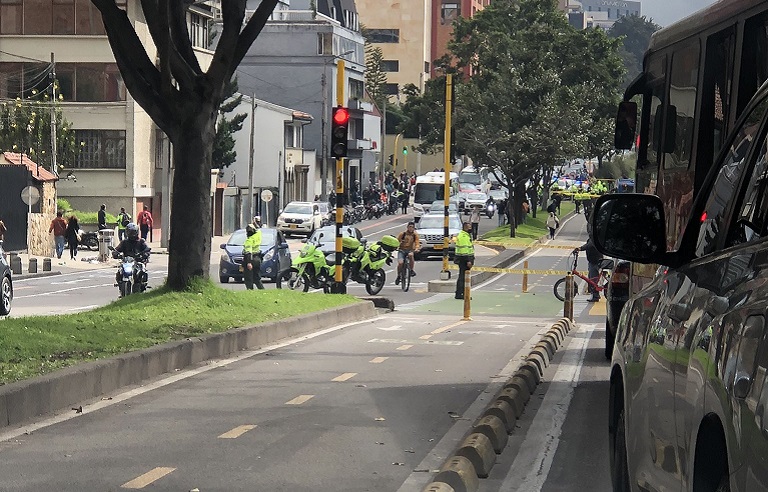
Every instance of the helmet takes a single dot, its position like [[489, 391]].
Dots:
[[132, 230], [250, 230], [389, 243], [257, 219]]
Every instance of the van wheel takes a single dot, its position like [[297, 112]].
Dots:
[[224, 279], [6, 295], [620, 469]]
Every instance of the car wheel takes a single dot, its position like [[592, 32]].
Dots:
[[610, 339], [223, 279], [6, 295], [620, 470], [278, 281]]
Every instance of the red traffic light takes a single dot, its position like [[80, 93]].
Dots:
[[340, 116]]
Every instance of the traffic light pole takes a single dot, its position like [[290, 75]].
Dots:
[[338, 286], [445, 274]]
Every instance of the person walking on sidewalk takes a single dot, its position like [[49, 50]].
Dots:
[[553, 223], [73, 235], [59, 229], [145, 222], [252, 258], [464, 256], [102, 216]]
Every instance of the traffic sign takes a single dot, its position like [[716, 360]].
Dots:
[[266, 195]]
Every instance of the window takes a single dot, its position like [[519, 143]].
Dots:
[[100, 149], [384, 35], [58, 17], [90, 82], [356, 89], [198, 30], [648, 159], [63, 16], [38, 16], [449, 12], [88, 18], [684, 79], [11, 16], [390, 89], [754, 66], [293, 136], [725, 187], [390, 65]]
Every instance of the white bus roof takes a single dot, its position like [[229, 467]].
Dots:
[[439, 174]]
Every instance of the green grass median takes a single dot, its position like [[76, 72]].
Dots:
[[527, 233], [35, 345]]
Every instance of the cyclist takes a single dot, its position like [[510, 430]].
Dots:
[[409, 245], [593, 259]]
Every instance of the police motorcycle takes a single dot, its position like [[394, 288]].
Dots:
[[132, 276], [364, 263], [310, 269], [490, 208]]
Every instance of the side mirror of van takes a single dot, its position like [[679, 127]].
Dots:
[[630, 227]]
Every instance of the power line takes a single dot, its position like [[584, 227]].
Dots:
[[25, 57]]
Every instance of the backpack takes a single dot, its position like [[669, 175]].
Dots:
[[126, 220]]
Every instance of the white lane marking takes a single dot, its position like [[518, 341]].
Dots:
[[452, 438], [300, 400], [531, 467], [82, 308], [61, 291], [378, 360], [181, 375], [390, 328], [237, 431], [344, 377]]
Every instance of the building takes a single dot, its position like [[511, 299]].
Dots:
[[597, 13], [294, 64], [444, 13]]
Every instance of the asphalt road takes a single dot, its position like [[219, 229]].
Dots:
[[371, 406]]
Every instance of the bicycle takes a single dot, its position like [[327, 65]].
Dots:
[[599, 283], [405, 275]]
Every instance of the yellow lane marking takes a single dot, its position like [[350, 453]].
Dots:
[[515, 270], [598, 309], [345, 377], [378, 360], [404, 347], [147, 478], [447, 327], [300, 399], [237, 432], [425, 337]]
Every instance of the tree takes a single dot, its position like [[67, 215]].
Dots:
[[635, 32], [375, 77], [224, 153], [183, 101], [25, 127]]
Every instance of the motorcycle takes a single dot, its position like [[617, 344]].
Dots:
[[365, 263], [90, 240], [132, 276], [310, 269], [490, 209]]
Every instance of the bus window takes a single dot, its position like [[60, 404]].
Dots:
[[684, 79], [754, 65], [648, 160]]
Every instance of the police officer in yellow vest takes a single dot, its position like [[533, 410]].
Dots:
[[464, 256], [252, 258]]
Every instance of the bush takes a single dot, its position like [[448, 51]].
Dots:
[[63, 205]]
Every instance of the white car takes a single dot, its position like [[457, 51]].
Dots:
[[299, 218], [475, 200], [431, 228]]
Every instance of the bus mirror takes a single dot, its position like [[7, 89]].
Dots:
[[670, 138], [626, 125]]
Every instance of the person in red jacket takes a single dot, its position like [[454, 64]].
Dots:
[[145, 222]]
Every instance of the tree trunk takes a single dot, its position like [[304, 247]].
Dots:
[[512, 214], [191, 218]]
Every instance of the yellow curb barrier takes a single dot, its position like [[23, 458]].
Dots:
[[515, 270], [478, 449]]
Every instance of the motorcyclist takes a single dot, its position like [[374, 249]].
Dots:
[[132, 245], [252, 257]]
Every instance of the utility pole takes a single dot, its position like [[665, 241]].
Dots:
[[250, 160], [54, 151], [383, 154], [324, 137]]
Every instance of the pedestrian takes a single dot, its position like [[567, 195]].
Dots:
[[464, 256], [594, 257], [252, 258], [59, 229], [3, 230], [474, 218], [526, 207], [404, 197], [73, 235], [123, 219], [553, 223], [102, 216], [557, 198], [145, 222], [502, 211]]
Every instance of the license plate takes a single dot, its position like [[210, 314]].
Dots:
[[438, 246], [293, 226]]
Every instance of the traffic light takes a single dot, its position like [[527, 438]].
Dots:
[[339, 132], [405, 150]]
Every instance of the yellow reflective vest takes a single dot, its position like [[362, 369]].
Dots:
[[252, 243], [464, 244]]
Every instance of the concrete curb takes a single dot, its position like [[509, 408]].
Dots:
[[476, 455], [62, 389], [36, 275]]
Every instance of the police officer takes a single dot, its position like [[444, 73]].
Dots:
[[464, 256], [252, 258]]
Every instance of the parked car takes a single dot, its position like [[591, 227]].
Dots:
[[438, 207], [498, 194], [299, 218], [325, 237], [688, 400], [6, 284], [275, 263], [476, 199], [431, 228]]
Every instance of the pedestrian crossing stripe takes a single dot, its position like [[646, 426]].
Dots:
[[515, 270]]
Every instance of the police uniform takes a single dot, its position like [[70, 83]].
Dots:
[[464, 257], [252, 256]]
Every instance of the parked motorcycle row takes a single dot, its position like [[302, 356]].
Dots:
[[362, 263]]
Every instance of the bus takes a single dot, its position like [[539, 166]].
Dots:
[[698, 76], [429, 188]]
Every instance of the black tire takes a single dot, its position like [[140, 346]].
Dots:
[[304, 281], [223, 279], [125, 288], [278, 280], [405, 280], [91, 243], [610, 339], [6, 296], [376, 281], [136, 289], [620, 469], [559, 290]]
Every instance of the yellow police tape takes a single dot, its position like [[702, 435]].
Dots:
[[480, 242], [515, 270]]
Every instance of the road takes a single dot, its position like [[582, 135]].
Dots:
[[370, 406]]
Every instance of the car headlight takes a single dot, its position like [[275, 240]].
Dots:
[[225, 257], [268, 256]]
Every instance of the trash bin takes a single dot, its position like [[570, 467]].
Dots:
[[106, 236]]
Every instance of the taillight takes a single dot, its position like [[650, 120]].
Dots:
[[620, 275]]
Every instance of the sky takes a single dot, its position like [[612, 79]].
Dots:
[[665, 12]]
